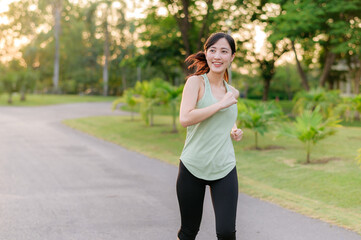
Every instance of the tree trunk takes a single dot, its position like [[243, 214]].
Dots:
[[308, 160], [10, 99], [57, 7], [256, 140], [106, 54], [330, 58], [22, 96], [300, 70], [181, 15], [357, 78], [124, 80], [266, 86]]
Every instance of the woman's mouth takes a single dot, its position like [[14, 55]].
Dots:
[[217, 64]]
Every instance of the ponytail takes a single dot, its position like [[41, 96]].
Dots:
[[199, 61]]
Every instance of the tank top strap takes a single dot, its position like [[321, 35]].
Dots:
[[227, 86], [207, 85]]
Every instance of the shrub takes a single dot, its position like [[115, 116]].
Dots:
[[308, 101], [350, 108]]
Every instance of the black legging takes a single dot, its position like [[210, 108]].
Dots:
[[224, 193]]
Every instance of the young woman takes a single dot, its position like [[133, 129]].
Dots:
[[209, 111]]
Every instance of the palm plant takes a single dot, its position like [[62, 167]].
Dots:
[[170, 96], [310, 128], [149, 98], [130, 99], [258, 117]]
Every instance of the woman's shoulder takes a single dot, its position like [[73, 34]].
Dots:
[[195, 80]]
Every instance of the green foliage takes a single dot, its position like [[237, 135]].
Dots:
[[26, 80], [310, 128], [326, 100], [285, 83], [152, 93], [10, 84], [258, 117], [323, 28], [130, 99], [171, 95], [170, 37], [149, 97], [350, 108]]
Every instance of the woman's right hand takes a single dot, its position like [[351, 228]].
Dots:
[[228, 100]]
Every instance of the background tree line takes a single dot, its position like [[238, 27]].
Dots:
[[95, 47]]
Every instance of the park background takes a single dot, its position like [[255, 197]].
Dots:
[[297, 67]]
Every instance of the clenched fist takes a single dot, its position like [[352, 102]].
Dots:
[[237, 134], [228, 100]]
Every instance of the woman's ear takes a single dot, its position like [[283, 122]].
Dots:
[[234, 54]]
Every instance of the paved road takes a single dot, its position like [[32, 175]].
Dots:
[[60, 184]]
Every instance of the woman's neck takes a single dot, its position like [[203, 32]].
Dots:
[[215, 79]]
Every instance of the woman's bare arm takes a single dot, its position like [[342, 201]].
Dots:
[[189, 114]]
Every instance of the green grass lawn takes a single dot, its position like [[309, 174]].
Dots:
[[48, 99], [328, 189]]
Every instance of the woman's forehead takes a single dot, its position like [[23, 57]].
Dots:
[[221, 43]]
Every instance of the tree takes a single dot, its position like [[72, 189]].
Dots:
[[26, 81], [10, 84], [57, 6], [115, 30], [23, 19], [105, 26], [182, 29], [258, 14], [326, 23]]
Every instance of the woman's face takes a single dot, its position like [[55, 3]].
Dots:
[[219, 56]]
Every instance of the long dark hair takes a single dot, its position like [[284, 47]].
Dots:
[[199, 61]]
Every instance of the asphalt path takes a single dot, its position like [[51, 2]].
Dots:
[[60, 184]]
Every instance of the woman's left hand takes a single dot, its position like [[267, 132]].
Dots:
[[236, 134]]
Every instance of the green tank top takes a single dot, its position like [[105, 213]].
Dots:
[[208, 151]]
